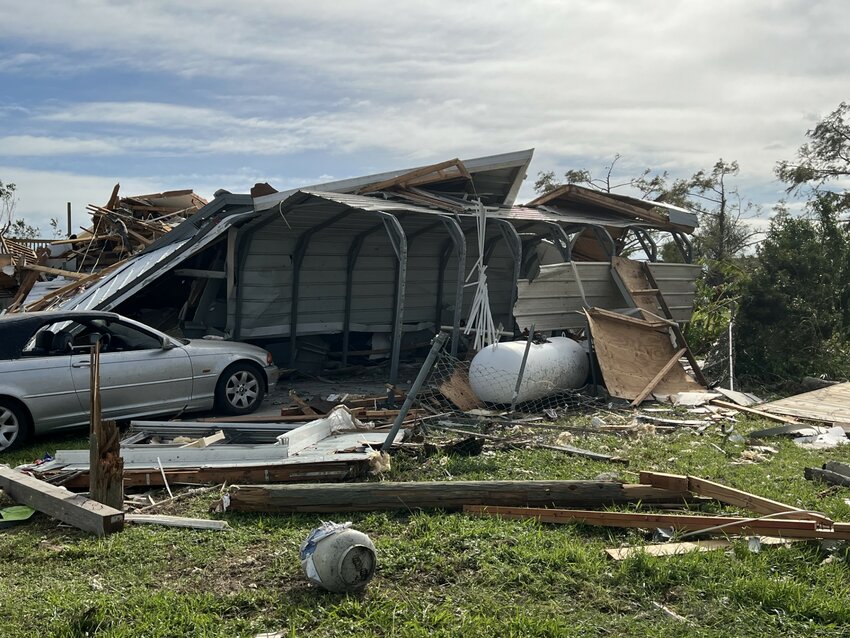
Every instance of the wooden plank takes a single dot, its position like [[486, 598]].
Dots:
[[68, 274], [76, 510], [676, 482], [419, 175], [176, 521], [577, 451], [657, 378], [681, 522], [830, 404], [296, 473], [633, 279], [753, 411], [206, 441], [686, 547], [738, 498], [445, 495]]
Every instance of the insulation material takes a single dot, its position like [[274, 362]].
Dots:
[[631, 352]]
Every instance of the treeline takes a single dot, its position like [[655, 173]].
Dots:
[[786, 295]]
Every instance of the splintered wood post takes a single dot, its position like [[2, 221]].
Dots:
[[106, 467], [76, 510]]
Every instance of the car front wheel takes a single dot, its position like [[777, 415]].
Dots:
[[14, 426], [240, 389]]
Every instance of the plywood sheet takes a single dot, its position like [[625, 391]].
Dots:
[[633, 278], [632, 352], [830, 405]]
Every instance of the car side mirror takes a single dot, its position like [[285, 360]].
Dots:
[[167, 344]]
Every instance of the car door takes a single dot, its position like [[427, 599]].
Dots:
[[44, 374], [138, 376]]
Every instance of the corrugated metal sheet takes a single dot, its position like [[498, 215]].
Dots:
[[266, 276], [510, 169], [553, 300], [139, 271]]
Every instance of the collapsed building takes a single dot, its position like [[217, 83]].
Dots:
[[375, 265]]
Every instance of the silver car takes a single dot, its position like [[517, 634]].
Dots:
[[45, 372]]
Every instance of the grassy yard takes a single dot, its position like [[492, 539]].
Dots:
[[442, 574]]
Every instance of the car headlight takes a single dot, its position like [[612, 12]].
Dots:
[[269, 359]]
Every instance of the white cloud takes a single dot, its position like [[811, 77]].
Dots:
[[31, 145], [669, 85], [43, 195]]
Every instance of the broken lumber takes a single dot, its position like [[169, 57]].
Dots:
[[444, 495], [754, 412], [76, 510], [730, 496], [787, 528]]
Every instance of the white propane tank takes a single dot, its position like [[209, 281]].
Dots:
[[338, 558], [559, 364]]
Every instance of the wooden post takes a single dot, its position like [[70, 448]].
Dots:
[[106, 467]]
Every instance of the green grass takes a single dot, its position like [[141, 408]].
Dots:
[[441, 574]]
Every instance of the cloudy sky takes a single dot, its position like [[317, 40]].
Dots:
[[219, 94]]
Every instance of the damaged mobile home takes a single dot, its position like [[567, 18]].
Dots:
[[377, 264]]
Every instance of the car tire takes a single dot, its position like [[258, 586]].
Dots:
[[240, 389], [15, 429]]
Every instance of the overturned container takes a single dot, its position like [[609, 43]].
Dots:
[[553, 366], [338, 558]]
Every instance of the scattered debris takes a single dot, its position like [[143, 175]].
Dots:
[[832, 472], [687, 547], [176, 521], [824, 439], [83, 513], [15, 515]]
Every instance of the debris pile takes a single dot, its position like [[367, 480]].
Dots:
[[126, 226], [34, 279]]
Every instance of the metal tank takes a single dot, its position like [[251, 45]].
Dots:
[[558, 364]]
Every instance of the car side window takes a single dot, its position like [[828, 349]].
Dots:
[[124, 337], [53, 340]]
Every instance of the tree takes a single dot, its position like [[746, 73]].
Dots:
[[7, 205], [9, 225], [794, 317], [824, 159], [722, 233]]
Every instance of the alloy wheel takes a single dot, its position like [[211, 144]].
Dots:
[[242, 389], [10, 427]]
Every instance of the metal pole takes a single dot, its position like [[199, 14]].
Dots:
[[522, 366], [69, 220], [731, 357], [424, 371]]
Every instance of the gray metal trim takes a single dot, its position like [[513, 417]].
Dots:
[[397, 237]]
